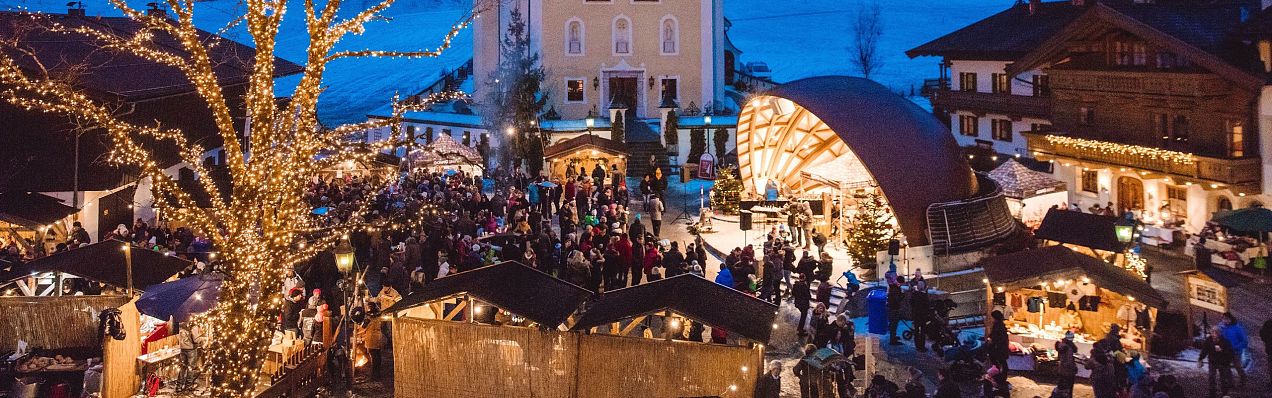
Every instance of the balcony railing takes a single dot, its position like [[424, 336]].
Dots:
[[1143, 83], [1246, 172], [1007, 104]]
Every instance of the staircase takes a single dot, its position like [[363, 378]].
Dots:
[[643, 142]]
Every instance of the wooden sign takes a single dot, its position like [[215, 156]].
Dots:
[[706, 167], [1205, 293]]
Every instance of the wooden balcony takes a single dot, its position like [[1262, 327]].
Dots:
[[1243, 174], [1140, 83], [1004, 104]]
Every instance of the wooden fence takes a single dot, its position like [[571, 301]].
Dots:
[[53, 322], [453, 359]]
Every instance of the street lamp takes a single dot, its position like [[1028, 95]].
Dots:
[[344, 262], [590, 121], [344, 257], [1126, 231]]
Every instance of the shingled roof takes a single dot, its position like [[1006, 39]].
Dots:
[[688, 295], [510, 286], [585, 141], [1003, 36], [39, 154]]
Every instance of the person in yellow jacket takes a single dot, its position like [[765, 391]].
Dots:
[[371, 338]]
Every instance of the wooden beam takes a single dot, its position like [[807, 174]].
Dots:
[[628, 329], [455, 311]]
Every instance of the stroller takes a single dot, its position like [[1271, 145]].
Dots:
[[937, 328]]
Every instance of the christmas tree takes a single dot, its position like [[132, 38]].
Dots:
[[671, 133], [726, 194], [697, 145], [870, 230]]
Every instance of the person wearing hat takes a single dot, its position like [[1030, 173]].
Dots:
[[79, 236], [1068, 369], [770, 384]]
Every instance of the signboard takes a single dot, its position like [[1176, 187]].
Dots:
[[706, 167], [1206, 293]]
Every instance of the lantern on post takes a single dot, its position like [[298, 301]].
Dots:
[[344, 257], [1126, 231]]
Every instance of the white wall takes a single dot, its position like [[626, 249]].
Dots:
[[1265, 136], [985, 132], [1021, 84]]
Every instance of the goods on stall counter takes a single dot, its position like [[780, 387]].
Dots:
[[38, 363]]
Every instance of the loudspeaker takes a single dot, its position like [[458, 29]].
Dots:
[[894, 247], [744, 220]]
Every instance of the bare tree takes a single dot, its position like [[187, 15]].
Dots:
[[262, 227], [865, 35]]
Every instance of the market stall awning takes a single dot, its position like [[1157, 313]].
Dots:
[[446, 151], [105, 262], [182, 298], [1250, 219], [1083, 229], [510, 286], [585, 142], [1020, 182], [1034, 267], [688, 295], [31, 210]]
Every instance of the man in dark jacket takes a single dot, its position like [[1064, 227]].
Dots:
[[920, 315], [895, 299], [1219, 350], [673, 260], [808, 374], [770, 384], [802, 296]]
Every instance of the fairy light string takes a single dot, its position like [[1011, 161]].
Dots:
[[263, 227]]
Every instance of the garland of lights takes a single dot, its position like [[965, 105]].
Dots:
[[1111, 148], [263, 228]]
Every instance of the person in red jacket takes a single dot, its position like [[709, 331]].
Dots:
[[653, 258]]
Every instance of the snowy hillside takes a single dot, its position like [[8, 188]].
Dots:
[[802, 38], [797, 38]]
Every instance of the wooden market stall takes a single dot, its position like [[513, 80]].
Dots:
[[1047, 291], [564, 159], [1029, 192], [444, 154], [1092, 234], [36, 222], [510, 330], [53, 325]]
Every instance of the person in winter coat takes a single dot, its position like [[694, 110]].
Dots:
[[1220, 352], [998, 346], [674, 261], [770, 384], [725, 277], [802, 297], [1265, 334], [920, 314], [1068, 369], [1240, 340], [946, 387], [808, 374]]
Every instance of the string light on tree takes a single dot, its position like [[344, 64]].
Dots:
[[263, 227]]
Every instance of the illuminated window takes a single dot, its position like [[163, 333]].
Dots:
[[968, 125], [1002, 85], [966, 81], [574, 90], [1236, 139], [1001, 129], [671, 88]]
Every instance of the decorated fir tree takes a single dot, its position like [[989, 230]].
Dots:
[[697, 145], [870, 231], [671, 132], [726, 194], [721, 139]]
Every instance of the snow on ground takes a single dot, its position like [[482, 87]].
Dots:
[[803, 38]]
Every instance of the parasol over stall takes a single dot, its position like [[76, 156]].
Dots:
[[182, 298]]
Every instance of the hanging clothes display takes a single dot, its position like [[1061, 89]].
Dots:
[[1089, 303], [1056, 299], [1034, 304], [1127, 313]]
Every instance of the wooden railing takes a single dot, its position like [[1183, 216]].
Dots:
[[1007, 104], [1245, 171], [300, 375], [1134, 82]]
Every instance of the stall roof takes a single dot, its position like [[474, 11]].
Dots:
[[1021, 182], [508, 285], [1083, 229], [583, 141], [688, 295], [30, 209], [1032, 267], [104, 262]]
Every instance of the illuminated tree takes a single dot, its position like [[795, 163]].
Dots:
[[262, 227], [726, 196], [870, 230]]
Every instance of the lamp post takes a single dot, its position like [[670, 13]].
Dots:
[[1126, 231], [590, 122], [345, 264]]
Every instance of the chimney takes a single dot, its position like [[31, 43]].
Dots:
[[76, 8], [1036, 5]]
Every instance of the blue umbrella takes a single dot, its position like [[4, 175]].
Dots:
[[182, 298]]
